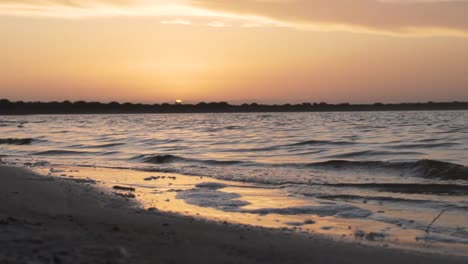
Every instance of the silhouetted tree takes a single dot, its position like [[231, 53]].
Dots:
[[82, 107]]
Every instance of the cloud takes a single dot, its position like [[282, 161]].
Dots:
[[396, 17], [88, 8], [216, 24], [177, 21], [251, 25], [65, 3], [171, 12], [384, 16]]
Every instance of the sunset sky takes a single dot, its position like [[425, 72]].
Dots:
[[270, 51]]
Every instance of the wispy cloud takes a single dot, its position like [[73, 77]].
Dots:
[[171, 12], [89, 8], [381, 16], [177, 21], [217, 24], [400, 17], [251, 25]]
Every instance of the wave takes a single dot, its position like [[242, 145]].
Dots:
[[158, 159], [271, 148], [427, 203], [410, 188], [322, 142], [298, 144], [62, 152], [422, 145], [422, 168], [371, 153], [16, 141], [162, 159], [110, 145], [160, 141]]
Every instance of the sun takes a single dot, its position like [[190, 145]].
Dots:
[[178, 101]]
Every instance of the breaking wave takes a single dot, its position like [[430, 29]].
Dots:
[[162, 159], [421, 168]]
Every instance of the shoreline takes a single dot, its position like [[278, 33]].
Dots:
[[258, 205], [48, 219]]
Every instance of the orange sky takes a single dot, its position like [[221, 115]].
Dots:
[[272, 51]]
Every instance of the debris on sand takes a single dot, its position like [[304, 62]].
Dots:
[[359, 234], [293, 223], [53, 170], [125, 195], [122, 188], [175, 190], [372, 236], [89, 181], [152, 178]]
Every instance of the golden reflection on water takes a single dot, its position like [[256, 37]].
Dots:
[[160, 194]]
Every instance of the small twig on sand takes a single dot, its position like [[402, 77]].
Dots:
[[435, 219]]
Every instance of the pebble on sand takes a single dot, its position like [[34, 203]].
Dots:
[[122, 188]]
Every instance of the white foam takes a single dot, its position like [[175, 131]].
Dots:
[[342, 211], [206, 197]]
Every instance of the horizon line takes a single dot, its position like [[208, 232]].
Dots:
[[248, 102]]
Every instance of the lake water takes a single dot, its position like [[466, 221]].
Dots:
[[397, 169]]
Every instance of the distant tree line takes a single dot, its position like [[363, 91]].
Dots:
[[81, 107]]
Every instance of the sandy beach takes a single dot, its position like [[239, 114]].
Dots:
[[50, 220], [247, 131]]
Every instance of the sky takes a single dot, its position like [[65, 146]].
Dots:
[[266, 51]]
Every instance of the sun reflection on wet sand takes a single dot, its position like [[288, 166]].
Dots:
[[161, 192]]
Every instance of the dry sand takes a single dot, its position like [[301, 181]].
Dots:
[[50, 220]]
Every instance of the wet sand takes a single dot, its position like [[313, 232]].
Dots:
[[52, 220]]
